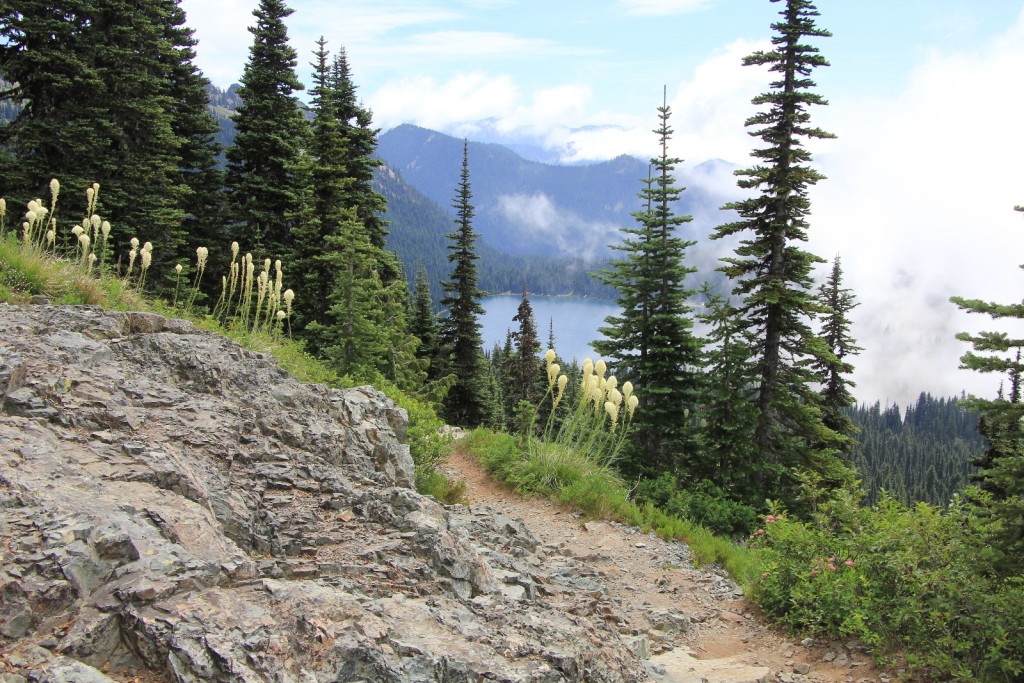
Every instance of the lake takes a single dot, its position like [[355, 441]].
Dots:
[[575, 321]]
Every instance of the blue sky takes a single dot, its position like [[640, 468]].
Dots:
[[533, 67], [925, 98]]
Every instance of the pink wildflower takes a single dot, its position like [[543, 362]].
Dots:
[[849, 563], [814, 572]]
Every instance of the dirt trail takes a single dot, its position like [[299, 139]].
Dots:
[[697, 625]]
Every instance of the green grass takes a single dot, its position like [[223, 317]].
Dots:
[[26, 272], [430, 482]]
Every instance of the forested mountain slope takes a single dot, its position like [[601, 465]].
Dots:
[[417, 235], [526, 207], [921, 454]]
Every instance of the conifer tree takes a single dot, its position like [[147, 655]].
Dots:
[[353, 335], [423, 321], [264, 178], [524, 374], [527, 367], [144, 190], [330, 205], [196, 128], [359, 162], [468, 402], [727, 414], [652, 341], [102, 86], [834, 366], [46, 61], [1002, 424], [772, 274], [356, 292]]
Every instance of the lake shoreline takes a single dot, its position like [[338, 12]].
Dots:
[[575, 320]]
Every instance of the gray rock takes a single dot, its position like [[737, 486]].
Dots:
[[183, 506]]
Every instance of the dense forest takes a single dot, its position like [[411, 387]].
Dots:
[[729, 404], [922, 454]]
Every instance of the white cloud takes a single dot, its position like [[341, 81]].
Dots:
[[224, 39], [663, 7], [919, 204], [538, 216], [477, 44], [425, 102], [465, 102], [366, 19], [708, 111]]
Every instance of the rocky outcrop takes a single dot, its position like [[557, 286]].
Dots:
[[176, 508]]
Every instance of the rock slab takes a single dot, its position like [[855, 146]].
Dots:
[[174, 505]]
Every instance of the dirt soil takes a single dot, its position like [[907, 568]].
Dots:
[[699, 628]]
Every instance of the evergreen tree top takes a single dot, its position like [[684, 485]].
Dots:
[[272, 61]]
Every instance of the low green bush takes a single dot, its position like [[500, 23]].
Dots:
[[917, 580], [431, 482], [702, 502], [427, 445]]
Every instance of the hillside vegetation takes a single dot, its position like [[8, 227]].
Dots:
[[719, 407]]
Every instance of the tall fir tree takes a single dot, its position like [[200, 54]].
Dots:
[[46, 59], [198, 152], [144, 191], [106, 92], [356, 306], [524, 371], [834, 367], [359, 162], [314, 273], [772, 274], [423, 322], [1000, 497], [267, 185], [652, 341], [352, 335], [360, 166], [468, 402], [727, 414]]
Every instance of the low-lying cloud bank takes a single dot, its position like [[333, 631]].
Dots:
[[541, 219]]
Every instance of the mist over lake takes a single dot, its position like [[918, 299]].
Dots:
[[575, 321]]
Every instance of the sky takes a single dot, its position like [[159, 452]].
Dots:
[[925, 99]]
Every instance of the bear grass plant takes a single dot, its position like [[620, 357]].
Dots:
[[571, 459], [254, 309], [585, 443]]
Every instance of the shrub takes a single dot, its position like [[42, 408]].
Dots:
[[919, 580], [430, 482], [702, 502]]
